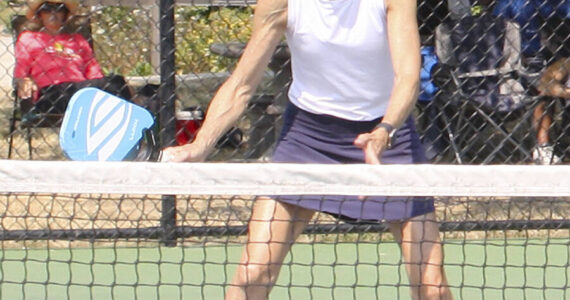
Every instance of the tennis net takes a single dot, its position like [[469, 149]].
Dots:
[[126, 230]]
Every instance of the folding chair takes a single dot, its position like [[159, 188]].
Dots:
[[428, 123], [484, 101], [23, 118]]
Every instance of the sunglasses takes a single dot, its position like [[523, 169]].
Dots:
[[53, 8]]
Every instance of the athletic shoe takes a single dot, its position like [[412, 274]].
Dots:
[[544, 155]]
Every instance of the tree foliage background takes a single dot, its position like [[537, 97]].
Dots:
[[123, 38]]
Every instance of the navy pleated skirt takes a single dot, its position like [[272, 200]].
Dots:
[[312, 138]]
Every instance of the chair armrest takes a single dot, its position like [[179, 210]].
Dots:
[[488, 73], [444, 77]]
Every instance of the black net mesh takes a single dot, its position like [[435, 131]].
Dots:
[[494, 84]]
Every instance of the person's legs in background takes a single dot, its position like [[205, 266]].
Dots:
[[114, 84], [147, 97], [54, 98], [543, 152]]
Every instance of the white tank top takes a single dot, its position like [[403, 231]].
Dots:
[[341, 59]]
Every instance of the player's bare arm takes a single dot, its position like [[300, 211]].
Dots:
[[404, 42], [229, 103]]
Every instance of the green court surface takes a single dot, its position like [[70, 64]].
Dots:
[[491, 269]]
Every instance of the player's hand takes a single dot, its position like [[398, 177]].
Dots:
[[185, 153], [26, 88], [373, 144]]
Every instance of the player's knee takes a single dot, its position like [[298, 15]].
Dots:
[[432, 292], [431, 287], [254, 274]]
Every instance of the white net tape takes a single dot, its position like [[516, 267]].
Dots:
[[275, 179]]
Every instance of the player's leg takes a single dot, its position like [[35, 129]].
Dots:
[[422, 252], [273, 228]]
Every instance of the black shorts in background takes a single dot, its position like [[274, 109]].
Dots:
[[54, 98]]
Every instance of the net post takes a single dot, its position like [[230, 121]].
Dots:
[[167, 98], [168, 221]]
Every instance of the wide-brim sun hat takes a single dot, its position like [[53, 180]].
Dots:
[[34, 5]]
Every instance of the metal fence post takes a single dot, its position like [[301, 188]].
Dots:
[[167, 98]]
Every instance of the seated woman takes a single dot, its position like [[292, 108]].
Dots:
[[52, 65], [555, 84]]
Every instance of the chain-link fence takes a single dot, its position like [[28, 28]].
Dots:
[[493, 78]]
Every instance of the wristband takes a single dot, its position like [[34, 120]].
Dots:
[[391, 130]]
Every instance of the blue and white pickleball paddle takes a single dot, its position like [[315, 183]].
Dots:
[[98, 126]]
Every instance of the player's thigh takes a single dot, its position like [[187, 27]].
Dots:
[[273, 228], [419, 238]]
